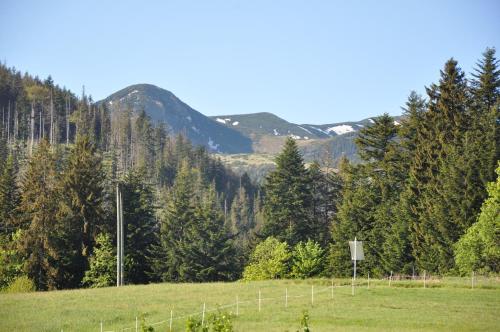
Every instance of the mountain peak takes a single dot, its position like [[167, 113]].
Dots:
[[163, 106]]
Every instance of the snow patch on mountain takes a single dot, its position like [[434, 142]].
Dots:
[[340, 130], [319, 129], [212, 145], [275, 132], [305, 129], [235, 123]]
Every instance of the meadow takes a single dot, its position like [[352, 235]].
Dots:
[[448, 304]]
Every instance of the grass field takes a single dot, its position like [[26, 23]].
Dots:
[[446, 305]]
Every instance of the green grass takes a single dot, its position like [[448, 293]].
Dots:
[[445, 305]]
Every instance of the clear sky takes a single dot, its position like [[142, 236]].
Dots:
[[306, 61]]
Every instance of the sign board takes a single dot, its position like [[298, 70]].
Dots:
[[356, 250]]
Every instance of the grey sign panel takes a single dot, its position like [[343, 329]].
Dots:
[[356, 250]]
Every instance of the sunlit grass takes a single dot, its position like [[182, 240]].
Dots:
[[444, 305]]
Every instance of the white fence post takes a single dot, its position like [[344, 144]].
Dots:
[[425, 278], [286, 297], [259, 300], [368, 280], [312, 294], [203, 316], [472, 280], [101, 325], [136, 324], [171, 316], [390, 279]]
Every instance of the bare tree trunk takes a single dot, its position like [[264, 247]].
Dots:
[[16, 122], [68, 101], [3, 122], [51, 136], [32, 126], [40, 125], [8, 124]]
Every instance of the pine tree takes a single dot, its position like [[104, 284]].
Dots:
[[175, 222], [39, 202], [139, 224], [208, 253], [485, 129], [287, 200], [437, 172], [325, 191], [83, 187], [9, 196], [374, 141]]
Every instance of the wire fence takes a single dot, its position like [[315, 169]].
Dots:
[[287, 294]]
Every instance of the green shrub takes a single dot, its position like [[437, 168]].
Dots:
[[22, 284], [304, 322], [269, 260], [307, 259], [479, 248], [217, 322]]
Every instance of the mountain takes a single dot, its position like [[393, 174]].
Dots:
[[259, 124], [163, 106], [262, 132]]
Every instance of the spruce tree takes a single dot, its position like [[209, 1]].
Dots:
[[175, 223], [40, 198], [287, 200], [102, 267], [139, 224], [83, 187], [207, 251], [9, 196], [437, 172]]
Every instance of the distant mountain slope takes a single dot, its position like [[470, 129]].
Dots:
[[163, 106], [258, 124], [262, 132], [255, 125]]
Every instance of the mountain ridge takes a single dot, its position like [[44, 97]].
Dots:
[[261, 132]]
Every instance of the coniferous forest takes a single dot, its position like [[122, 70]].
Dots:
[[425, 196]]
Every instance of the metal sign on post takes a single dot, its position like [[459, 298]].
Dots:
[[357, 254]]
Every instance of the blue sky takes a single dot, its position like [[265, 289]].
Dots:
[[306, 61]]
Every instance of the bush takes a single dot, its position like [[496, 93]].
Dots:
[[21, 284], [269, 260], [307, 259], [304, 322], [217, 322], [479, 248], [102, 271]]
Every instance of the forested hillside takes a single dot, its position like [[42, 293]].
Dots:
[[419, 188]]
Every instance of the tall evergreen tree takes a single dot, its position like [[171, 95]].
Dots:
[[9, 196], [140, 225], [83, 188], [437, 171], [207, 252], [287, 200], [175, 222], [39, 203]]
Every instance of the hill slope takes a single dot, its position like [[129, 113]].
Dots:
[[163, 106]]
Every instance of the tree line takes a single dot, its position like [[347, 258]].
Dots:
[[414, 199]]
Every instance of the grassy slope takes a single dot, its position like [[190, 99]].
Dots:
[[450, 307]]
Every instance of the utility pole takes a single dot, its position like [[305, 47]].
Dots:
[[119, 237]]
